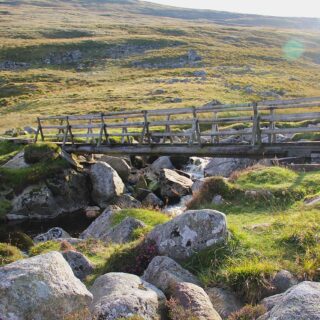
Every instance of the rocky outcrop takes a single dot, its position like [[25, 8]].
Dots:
[[80, 265], [226, 166], [193, 298], [64, 193], [299, 302], [106, 183], [120, 295], [165, 273], [13, 65], [224, 301], [152, 201], [68, 57], [101, 225], [174, 185], [52, 234], [161, 163], [119, 165], [190, 232], [42, 287]]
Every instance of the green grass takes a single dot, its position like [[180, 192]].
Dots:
[[8, 150], [23, 177], [5, 207], [266, 235], [41, 152], [233, 59], [150, 218], [9, 254]]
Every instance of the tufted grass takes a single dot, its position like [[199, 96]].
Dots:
[[9, 254]]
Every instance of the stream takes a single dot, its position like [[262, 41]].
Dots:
[[75, 223]]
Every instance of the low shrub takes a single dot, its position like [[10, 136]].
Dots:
[[9, 253], [248, 312], [21, 240]]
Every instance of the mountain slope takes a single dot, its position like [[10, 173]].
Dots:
[[89, 56]]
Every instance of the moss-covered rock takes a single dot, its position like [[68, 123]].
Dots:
[[41, 152]]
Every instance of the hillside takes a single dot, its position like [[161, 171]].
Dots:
[[78, 56]]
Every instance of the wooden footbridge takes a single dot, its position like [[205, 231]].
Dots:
[[282, 128]]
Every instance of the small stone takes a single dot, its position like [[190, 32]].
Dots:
[[80, 265], [92, 212]]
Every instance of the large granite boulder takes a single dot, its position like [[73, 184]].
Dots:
[[52, 234], [299, 302], [224, 301], [174, 185], [64, 193], [226, 166], [119, 165], [42, 287], [193, 298], [121, 295], [189, 233], [161, 163], [80, 265], [106, 184], [165, 273]]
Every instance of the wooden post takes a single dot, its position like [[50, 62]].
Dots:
[[168, 129], [65, 138], [272, 126], [215, 128], [146, 131], [256, 130], [39, 130], [196, 126]]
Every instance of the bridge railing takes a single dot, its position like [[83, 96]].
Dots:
[[248, 123]]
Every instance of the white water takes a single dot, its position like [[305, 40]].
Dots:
[[196, 169]]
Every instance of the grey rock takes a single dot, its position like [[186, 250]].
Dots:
[[119, 165], [165, 273], [35, 202], [30, 130], [194, 298], [226, 166], [42, 287], [52, 234], [158, 91], [193, 56], [101, 225], [106, 183], [123, 231], [190, 232], [13, 65], [17, 162], [161, 163], [297, 303], [80, 265], [92, 211], [197, 185], [152, 201], [126, 201], [173, 185], [200, 73], [224, 301], [217, 200], [284, 280], [121, 295]]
